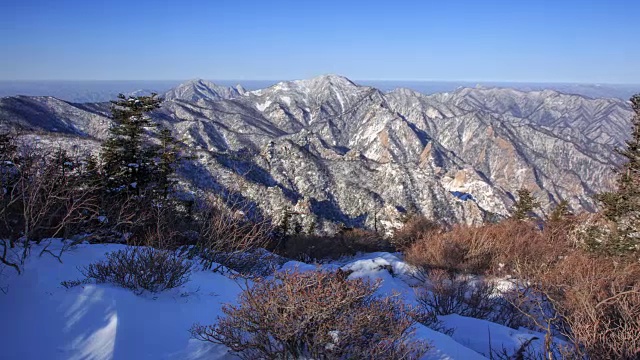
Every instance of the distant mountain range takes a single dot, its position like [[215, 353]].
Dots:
[[336, 152], [98, 91]]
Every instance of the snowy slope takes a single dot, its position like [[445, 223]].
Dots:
[[44, 320], [343, 153]]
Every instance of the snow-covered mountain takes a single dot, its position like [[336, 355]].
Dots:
[[337, 152], [197, 90]]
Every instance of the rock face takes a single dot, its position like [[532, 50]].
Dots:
[[334, 152]]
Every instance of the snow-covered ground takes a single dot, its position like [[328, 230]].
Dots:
[[41, 319]]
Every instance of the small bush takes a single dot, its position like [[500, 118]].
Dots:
[[250, 264], [446, 294], [507, 247], [449, 294], [430, 319], [314, 314], [464, 249], [596, 303], [226, 234], [141, 268], [415, 228]]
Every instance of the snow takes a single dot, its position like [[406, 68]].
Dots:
[[433, 113], [339, 96], [287, 100], [263, 106], [483, 336], [103, 321], [107, 322]]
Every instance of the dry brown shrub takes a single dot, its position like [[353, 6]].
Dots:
[[523, 248], [316, 314], [415, 228], [447, 293], [504, 248], [463, 249], [597, 303], [226, 233]]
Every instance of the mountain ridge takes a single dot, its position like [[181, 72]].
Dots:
[[339, 152]]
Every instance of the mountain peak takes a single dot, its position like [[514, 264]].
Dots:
[[332, 79], [199, 89]]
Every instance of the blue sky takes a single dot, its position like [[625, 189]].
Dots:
[[584, 41]]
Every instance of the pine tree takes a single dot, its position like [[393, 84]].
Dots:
[[92, 173], [128, 159], [168, 156], [8, 147], [524, 206], [561, 211], [622, 206], [8, 154]]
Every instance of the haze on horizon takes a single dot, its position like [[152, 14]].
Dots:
[[544, 41]]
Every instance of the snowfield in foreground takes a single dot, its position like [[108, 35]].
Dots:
[[44, 320]]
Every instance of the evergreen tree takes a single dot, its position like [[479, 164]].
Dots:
[[560, 212], [8, 155], [168, 154], [92, 171], [128, 159], [8, 147], [524, 206], [622, 206]]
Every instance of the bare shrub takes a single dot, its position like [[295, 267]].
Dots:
[[463, 249], [42, 195], [446, 294], [345, 243], [167, 226], [314, 314], [524, 249], [251, 263], [501, 248], [430, 319], [526, 351], [595, 302], [415, 228], [226, 234], [141, 268], [68, 284]]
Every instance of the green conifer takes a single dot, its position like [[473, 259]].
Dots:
[[622, 206], [128, 159], [524, 206], [168, 153]]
